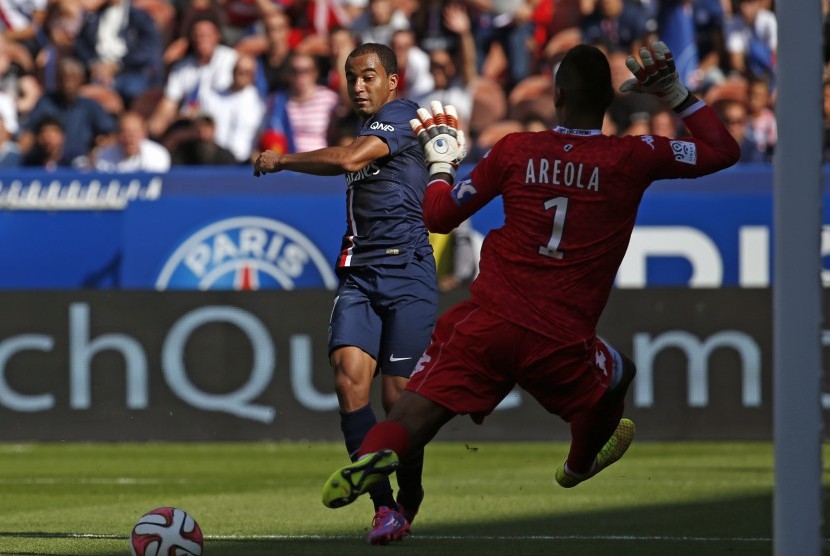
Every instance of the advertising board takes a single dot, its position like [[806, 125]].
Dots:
[[111, 366], [223, 229]]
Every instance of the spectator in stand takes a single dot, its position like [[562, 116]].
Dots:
[[21, 21], [456, 256], [414, 77], [163, 14], [341, 42], [198, 147], [379, 22], [8, 114], [761, 126], [298, 120], [64, 19], [272, 72], [241, 16], [665, 123], [49, 151], [733, 114], [186, 15], [617, 24], [826, 110], [640, 125], [454, 75], [82, 119], [752, 39], [429, 22], [354, 8], [490, 135], [121, 47], [345, 123], [237, 111], [208, 66], [16, 79], [559, 25], [535, 122], [709, 21], [133, 150], [314, 20], [507, 23], [675, 20], [10, 156]]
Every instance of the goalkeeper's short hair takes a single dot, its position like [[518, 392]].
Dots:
[[585, 74]]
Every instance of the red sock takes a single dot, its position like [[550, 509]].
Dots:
[[386, 435], [590, 430]]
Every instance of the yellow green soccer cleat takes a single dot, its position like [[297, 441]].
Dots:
[[349, 482], [613, 450]]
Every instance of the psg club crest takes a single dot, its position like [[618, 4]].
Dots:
[[246, 253]]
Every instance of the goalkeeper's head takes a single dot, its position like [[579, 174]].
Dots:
[[583, 81]]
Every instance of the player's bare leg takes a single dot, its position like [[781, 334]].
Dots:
[[413, 422], [410, 473], [599, 436], [354, 372]]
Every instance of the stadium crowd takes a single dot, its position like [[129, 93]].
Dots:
[[128, 85]]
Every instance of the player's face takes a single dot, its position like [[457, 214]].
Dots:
[[369, 85]]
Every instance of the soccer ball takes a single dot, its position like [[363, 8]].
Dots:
[[166, 532]]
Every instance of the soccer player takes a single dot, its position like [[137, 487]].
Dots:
[[570, 199], [387, 301]]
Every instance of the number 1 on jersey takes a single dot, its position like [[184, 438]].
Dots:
[[560, 207]]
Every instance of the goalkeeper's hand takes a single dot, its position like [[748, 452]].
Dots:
[[657, 75], [444, 144]]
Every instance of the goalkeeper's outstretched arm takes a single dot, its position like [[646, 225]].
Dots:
[[657, 75]]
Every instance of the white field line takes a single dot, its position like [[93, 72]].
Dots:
[[89, 481], [417, 538]]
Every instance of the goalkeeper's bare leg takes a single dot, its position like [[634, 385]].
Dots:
[[412, 423], [599, 435]]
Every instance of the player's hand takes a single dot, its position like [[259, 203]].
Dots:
[[657, 75], [444, 144], [267, 162]]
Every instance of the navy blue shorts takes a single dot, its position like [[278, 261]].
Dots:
[[388, 312]]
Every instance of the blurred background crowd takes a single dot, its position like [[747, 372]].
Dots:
[[132, 85]]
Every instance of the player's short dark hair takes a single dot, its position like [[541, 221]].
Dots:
[[385, 54], [585, 75]]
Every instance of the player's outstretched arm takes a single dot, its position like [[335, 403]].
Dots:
[[444, 144], [715, 148], [328, 161]]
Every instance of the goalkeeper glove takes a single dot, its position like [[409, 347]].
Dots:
[[444, 144], [657, 75]]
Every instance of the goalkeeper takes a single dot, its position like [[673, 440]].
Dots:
[[570, 199]]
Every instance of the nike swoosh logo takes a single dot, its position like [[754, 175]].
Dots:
[[392, 358]]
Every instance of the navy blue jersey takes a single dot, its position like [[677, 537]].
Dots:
[[384, 222]]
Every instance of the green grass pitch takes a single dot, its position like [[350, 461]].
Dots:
[[250, 499]]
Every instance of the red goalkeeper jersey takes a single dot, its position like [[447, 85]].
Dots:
[[570, 201]]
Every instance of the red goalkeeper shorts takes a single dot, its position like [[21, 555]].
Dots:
[[475, 359]]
